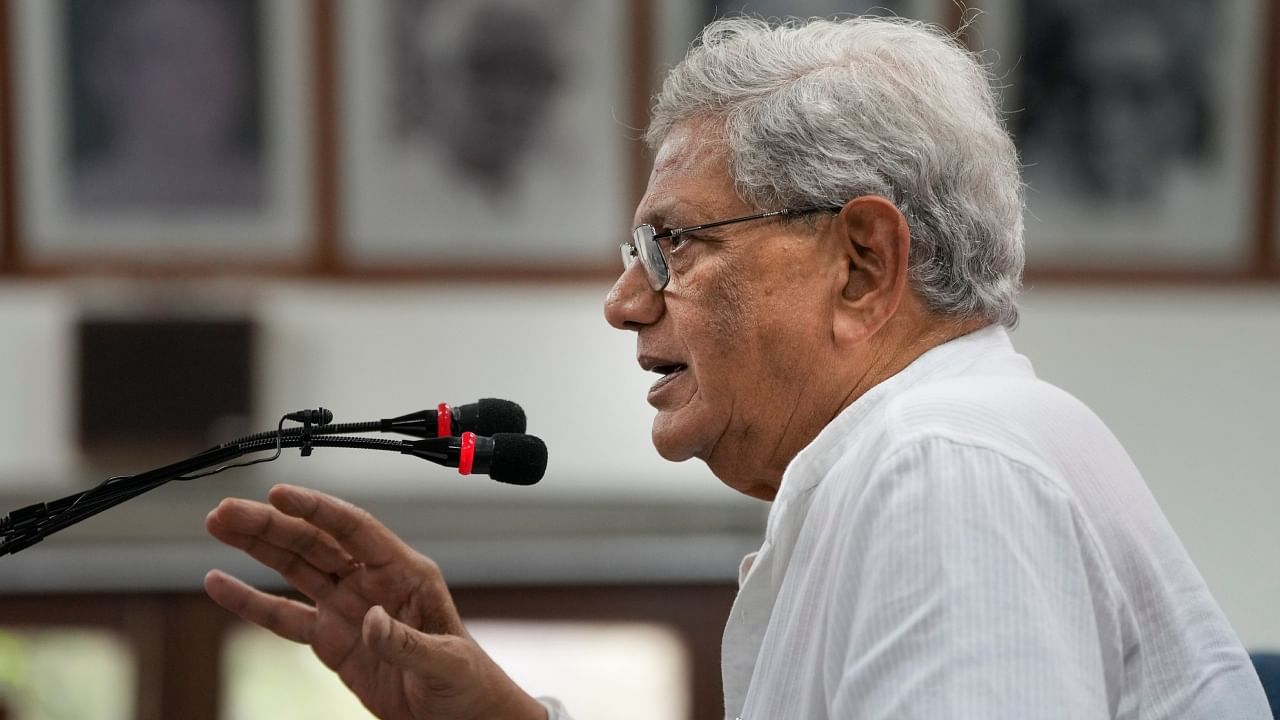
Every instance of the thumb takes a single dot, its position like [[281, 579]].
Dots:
[[441, 657]]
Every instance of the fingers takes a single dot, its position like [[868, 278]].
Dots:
[[309, 560], [303, 538], [368, 540], [289, 619], [234, 521], [299, 573]]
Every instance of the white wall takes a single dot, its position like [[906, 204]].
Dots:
[[1187, 378]]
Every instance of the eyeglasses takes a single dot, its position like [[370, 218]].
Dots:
[[644, 243]]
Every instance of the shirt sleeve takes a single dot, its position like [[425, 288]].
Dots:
[[555, 710], [968, 587]]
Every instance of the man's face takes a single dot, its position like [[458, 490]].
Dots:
[[740, 334]]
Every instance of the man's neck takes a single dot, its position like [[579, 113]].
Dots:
[[898, 344]]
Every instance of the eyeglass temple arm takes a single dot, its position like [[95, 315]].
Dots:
[[759, 216]]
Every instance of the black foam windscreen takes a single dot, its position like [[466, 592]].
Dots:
[[518, 459], [495, 416]]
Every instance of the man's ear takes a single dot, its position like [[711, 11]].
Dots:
[[876, 241]]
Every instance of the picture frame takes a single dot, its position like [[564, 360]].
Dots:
[[7, 174], [472, 145], [174, 134], [1137, 130], [1269, 192]]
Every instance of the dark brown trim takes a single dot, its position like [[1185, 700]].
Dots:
[[326, 198], [345, 272], [94, 610], [1133, 277], [147, 627], [193, 641], [405, 273], [91, 265], [481, 274], [639, 75], [10, 257], [1266, 255]]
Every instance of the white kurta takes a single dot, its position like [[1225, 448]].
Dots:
[[966, 541]]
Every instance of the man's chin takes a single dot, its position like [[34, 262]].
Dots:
[[674, 454], [670, 442]]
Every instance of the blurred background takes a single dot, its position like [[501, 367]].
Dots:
[[213, 212]]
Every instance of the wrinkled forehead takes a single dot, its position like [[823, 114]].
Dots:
[[691, 179]]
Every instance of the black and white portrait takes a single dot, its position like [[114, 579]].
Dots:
[[164, 103], [1117, 96], [479, 82], [485, 130], [1135, 121]]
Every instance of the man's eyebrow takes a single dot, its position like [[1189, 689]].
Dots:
[[659, 217], [673, 215]]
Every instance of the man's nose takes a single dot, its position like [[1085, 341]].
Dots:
[[631, 302]]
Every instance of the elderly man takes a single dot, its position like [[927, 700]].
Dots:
[[824, 263]]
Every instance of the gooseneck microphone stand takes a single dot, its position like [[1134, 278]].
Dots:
[[27, 526]]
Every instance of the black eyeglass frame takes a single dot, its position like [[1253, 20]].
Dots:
[[644, 241]]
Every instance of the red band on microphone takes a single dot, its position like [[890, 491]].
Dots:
[[467, 456], [444, 420]]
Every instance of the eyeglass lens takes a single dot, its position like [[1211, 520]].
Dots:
[[650, 254]]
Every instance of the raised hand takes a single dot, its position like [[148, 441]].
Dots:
[[382, 617]]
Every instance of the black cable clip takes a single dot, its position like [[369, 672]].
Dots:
[[304, 435]]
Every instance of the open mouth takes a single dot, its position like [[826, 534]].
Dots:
[[668, 371]]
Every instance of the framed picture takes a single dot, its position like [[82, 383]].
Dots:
[[163, 131], [1137, 127], [489, 135]]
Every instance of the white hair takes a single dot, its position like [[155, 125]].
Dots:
[[818, 112]]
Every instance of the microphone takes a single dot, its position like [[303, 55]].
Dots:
[[319, 416], [508, 456], [512, 458], [487, 417]]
